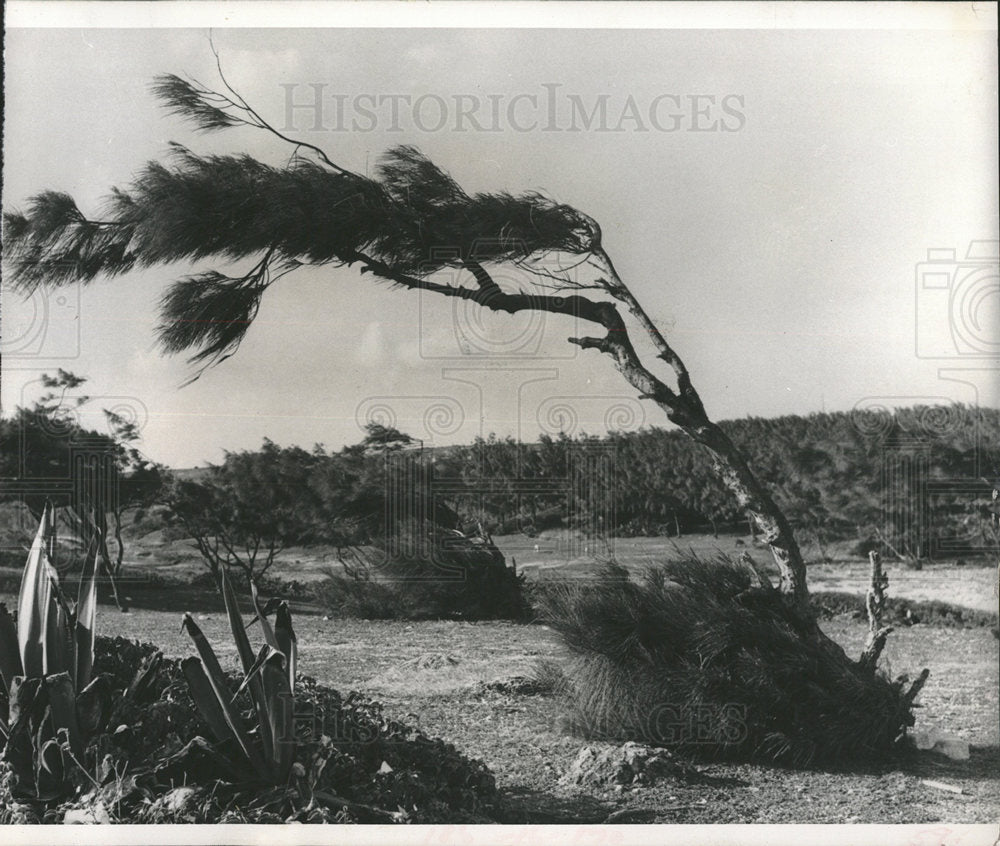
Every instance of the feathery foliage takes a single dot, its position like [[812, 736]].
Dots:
[[204, 108], [411, 219], [704, 656]]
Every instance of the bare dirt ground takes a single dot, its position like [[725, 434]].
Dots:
[[431, 674]]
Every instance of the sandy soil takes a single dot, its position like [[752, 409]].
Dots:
[[430, 674]]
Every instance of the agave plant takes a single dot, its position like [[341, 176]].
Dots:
[[46, 668], [264, 754]]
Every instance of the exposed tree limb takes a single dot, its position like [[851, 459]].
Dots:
[[684, 408], [915, 689], [875, 605]]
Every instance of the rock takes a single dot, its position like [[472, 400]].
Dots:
[[608, 766], [952, 747], [944, 744], [91, 815], [176, 800]]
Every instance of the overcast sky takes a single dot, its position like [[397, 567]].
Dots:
[[768, 195]]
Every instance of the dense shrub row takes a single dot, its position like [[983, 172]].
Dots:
[[835, 475]]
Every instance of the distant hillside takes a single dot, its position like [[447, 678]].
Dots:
[[917, 481], [916, 477]]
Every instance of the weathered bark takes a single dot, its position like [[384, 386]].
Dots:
[[120, 551], [877, 633], [875, 605]]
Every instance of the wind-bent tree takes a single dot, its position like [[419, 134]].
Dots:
[[410, 225]]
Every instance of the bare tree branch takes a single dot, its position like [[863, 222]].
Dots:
[[875, 605]]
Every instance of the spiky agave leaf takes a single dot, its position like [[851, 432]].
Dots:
[[86, 619], [36, 603], [265, 625], [142, 682], [10, 654], [277, 723], [280, 712], [62, 705], [211, 693], [60, 648], [245, 651], [287, 642], [205, 699]]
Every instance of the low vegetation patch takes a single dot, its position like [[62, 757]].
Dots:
[[698, 656], [104, 730], [351, 764], [459, 580], [900, 611]]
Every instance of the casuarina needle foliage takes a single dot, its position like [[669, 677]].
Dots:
[[703, 655]]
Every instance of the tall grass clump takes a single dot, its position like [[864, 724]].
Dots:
[[706, 657], [461, 578]]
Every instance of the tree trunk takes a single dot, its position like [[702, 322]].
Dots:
[[120, 552], [819, 543], [732, 468]]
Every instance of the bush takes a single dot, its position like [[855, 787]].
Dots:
[[353, 761], [463, 579], [695, 657], [900, 611]]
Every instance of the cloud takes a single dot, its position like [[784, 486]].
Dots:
[[371, 346]]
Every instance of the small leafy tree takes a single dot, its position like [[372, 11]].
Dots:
[[48, 455], [246, 510]]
